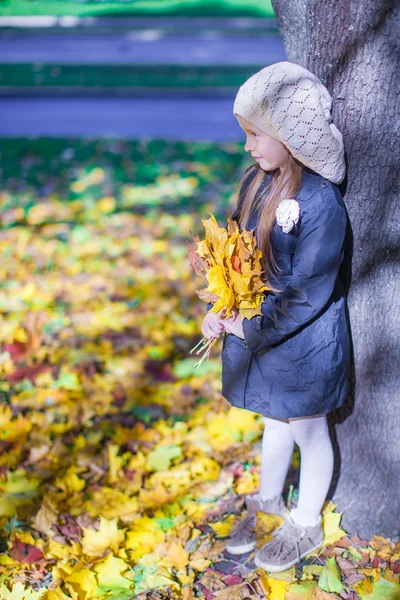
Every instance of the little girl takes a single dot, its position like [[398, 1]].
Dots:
[[290, 364]]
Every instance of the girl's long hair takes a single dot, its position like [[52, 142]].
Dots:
[[285, 183]]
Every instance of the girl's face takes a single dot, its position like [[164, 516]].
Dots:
[[266, 150]]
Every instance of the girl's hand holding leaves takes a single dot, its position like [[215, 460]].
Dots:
[[228, 261], [212, 324], [234, 324]]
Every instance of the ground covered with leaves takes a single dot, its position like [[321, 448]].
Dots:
[[122, 468]]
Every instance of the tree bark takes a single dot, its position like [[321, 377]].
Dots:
[[354, 49]]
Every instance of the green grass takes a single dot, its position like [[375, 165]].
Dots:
[[124, 76], [181, 176], [148, 8]]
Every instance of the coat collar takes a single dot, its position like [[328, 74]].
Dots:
[[310, 181]]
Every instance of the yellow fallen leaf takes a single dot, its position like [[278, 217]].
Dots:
[[277, 588], [330, 524], [95, 543], [222, 528], [200, 564], [174, 555], [56, 594], [115, 463], [382, 546], [71, 482], [61, 551], [109, 573], [365, 586], [82, 581], [46, 517], [19, 592], [375, 574]]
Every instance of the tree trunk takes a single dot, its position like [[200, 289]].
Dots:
[[354, 49]]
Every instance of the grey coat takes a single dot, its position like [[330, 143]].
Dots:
[[294, 360]]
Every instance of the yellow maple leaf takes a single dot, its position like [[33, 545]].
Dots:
[[71, 482], [61, 551], [200, 564], [46, 517], [82, 581], [382, 546], [115, 463], [174, 555], [223, 528], [330, 524], [109, 573], [373, 573], [19, 592], [277, 588], [365, 586], [56, 594], [141, 541], [112, 503], [217, 284], [230, 262], [95, 543]]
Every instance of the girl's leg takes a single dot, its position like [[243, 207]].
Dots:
[[276, 454], [316, 467]]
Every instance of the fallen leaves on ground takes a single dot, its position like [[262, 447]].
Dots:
[[122, 470]]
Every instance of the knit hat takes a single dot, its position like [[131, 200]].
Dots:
[[290, 104]]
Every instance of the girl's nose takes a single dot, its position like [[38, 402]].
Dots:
[[247, 146]]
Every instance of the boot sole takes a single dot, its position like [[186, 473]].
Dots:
[[240, 549], [279, 568]]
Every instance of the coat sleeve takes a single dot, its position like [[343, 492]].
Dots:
[[315, 266]]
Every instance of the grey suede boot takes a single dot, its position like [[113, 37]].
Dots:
[[289, 545], [242, 537]]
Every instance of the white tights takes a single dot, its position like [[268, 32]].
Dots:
[[316, 463]]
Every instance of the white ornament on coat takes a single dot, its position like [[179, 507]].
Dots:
[[287, 214]]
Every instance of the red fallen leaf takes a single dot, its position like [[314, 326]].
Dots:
[[25, 553], [376, 561], [232, 579], [17, 350], [29, 372], [235, 262]]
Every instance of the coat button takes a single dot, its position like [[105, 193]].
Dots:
[[258, 319], [245, 343], [324, 183]]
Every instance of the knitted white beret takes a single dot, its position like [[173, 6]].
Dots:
[[290, 104]]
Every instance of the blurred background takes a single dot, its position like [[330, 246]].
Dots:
[[145, 74], [116, 137]]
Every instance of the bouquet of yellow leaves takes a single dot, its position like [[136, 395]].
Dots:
[[228, 261]]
